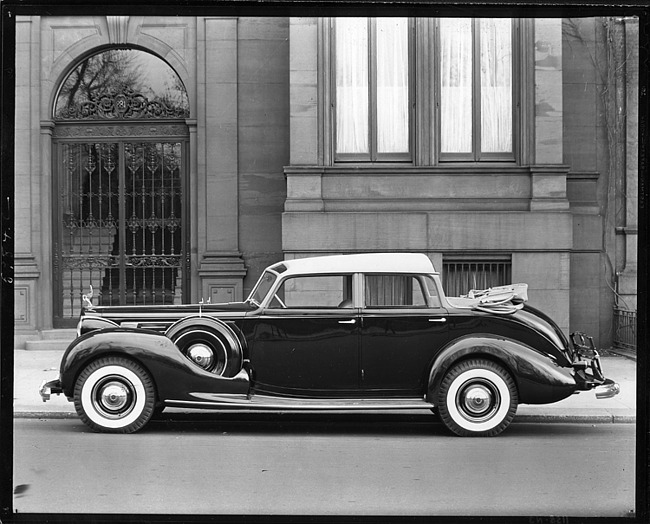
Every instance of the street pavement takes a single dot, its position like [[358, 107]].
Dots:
[[32, 367]]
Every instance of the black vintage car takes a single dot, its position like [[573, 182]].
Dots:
[[351, 332]]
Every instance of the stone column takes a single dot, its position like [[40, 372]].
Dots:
[[221, 268], [550, 280], [32, 299], [304, 107], [548, 173], [627, 278]]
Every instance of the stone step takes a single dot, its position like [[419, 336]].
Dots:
[[59, 334], [47, 345], [52, 339]]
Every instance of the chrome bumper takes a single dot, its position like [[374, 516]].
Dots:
[[607, 390], [47, 388]]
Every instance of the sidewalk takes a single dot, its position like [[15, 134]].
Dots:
[[32, 367]]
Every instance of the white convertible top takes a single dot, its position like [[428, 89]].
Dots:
[[362, 263]]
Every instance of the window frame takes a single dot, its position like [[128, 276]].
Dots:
[[424, 126], [348, 292], [476, 155], [373, 156], [431, 302]]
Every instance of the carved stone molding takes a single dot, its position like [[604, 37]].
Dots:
[[64, 37], [173, 35], [135, 130], [117, 29]]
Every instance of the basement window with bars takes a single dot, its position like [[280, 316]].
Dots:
[[460, 274]]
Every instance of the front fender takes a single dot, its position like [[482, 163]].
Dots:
[[539, 379], [174, 375]]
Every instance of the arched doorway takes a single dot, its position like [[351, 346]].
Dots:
[[120, 201]]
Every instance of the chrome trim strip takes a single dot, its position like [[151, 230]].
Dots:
[[273, 403]]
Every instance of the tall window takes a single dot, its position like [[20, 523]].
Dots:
[[476, 103], [372, 89], [468, 76]]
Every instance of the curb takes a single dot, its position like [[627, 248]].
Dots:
[[530, 419], [577, 419], [45, 414], [625, 353]]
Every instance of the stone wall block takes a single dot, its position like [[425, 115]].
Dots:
[[548, 91], [303, 67]]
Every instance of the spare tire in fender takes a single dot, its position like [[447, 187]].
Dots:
[[209, 343]]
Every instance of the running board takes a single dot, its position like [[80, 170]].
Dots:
[[263, 402]]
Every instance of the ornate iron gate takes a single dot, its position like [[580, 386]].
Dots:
[[120, 148], [120, 223]]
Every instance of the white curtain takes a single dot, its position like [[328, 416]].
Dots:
[[392, 85], [456, 85], [496, 85], [352, 85]]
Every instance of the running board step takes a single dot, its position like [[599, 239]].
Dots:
[[217, 401]]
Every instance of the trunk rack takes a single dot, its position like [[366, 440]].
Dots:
[[589, 372]]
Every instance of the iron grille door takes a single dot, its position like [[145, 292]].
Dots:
[[120, 224]]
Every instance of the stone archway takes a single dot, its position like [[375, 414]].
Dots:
[[120, 150]]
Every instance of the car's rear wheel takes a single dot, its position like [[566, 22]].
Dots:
[[477, 397], [114, 395]]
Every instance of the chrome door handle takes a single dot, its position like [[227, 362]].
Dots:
[[351, 321], [441, 319]]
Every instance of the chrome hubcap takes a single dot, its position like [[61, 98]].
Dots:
[[202, 354], [113, 398], [477, 401]]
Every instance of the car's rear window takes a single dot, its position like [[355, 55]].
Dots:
[[394, 291]]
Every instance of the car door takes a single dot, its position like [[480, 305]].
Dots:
[[306, 342], [402, 328]]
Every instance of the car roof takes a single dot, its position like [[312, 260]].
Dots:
[[361, 263]]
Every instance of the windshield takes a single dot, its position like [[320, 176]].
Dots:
[[262, 287]]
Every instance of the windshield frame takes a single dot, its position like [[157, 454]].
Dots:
[[270, 277]]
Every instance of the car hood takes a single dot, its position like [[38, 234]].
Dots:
[[180, 309]]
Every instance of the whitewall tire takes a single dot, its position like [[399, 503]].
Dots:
[[477, 398], [114, 395]]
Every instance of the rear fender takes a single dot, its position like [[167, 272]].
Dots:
[[173, 373], [539, 379]]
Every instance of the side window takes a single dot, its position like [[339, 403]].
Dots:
[[434, 298], [394, 291], [316, 291]]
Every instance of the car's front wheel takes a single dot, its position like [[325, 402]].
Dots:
[[114, 395], [477, 397]]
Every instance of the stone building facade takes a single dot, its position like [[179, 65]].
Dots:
[[255, 163]]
